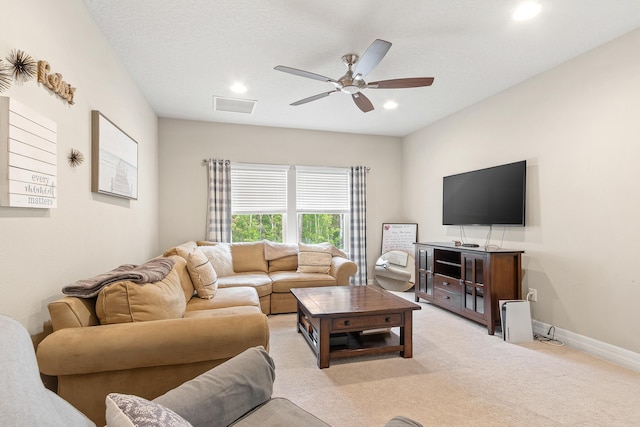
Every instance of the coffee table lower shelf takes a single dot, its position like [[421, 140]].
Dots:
[[352, 344]]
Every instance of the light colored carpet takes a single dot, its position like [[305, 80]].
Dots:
[[458, 376]]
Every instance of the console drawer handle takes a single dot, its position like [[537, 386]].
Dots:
[[347, 323], [387, 319], [445, 283], [447, 297]]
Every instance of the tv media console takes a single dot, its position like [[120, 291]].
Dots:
[[468, 281]]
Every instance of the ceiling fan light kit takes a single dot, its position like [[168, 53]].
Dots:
[[352, 82]]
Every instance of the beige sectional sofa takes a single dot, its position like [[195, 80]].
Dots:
[[146, 340], [273, 269], [171, 336]]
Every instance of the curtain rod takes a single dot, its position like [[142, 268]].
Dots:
[[254, 163]]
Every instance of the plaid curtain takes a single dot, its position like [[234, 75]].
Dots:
[[358, 247], [219, 201]]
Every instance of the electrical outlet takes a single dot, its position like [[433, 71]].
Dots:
[[533, 295]]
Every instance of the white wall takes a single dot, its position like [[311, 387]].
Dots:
[[578, 127], [42, 250], [183, 178]]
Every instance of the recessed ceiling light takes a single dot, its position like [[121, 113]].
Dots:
[[526, 10], [390, 105], [238, 88]]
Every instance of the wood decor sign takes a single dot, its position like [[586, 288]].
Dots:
[[54, 82], [28, 164]]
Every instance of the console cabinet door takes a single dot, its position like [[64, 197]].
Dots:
[[424, 273], [476, 299]]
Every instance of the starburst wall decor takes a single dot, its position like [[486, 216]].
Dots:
[[75, 158], [24, 66], [5, 76]]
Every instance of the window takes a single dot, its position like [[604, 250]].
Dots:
[[290, 204], [322, 205], [258, 202]]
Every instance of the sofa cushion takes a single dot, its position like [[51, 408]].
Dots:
[[276, 250], [202, 274], [220, 256], [279, 412], [284, 281], [223, 394], [72, 312], [314, 258], [248, 256], [124, 410], [124, 302], [180, 266], [261, 282], [287, 263], [236, 311], [226, 297]]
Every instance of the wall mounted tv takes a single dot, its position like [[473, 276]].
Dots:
[[491, 196]]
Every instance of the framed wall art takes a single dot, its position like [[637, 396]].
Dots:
[[114, 159]]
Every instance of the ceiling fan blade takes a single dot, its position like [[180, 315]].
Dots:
[[401, 83], [362, 102], [314, 97], [303, 73], [371, 57]]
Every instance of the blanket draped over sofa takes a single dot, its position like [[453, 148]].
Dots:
[[151, 271]]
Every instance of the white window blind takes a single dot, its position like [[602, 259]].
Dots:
[[258, 188], [322, 190]]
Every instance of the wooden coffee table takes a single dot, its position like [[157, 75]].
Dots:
[[335, 321]]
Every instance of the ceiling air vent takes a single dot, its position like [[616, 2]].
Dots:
[[233, 105]]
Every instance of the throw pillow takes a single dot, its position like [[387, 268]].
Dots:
[[314, 258], [202, 274], [220, 257], [124, 410], [180, 249]]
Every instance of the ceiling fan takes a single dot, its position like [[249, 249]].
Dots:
[[353, 83]]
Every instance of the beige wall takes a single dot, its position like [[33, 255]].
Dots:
[[41, 250], [184, 144], [578, 128]]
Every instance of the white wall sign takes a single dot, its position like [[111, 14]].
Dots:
[[399, 237], [28, 166]]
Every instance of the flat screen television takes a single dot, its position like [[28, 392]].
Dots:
[[491, 196]]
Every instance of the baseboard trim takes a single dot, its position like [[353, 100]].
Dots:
[[617, 355]]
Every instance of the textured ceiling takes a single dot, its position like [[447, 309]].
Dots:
[[182, 52]]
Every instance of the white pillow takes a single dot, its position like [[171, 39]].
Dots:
[[314, 258], [220, 257], [124, 410], [203, 275]]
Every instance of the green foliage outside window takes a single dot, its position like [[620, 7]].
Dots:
[[255, 227], [314, 228], [319, 228]]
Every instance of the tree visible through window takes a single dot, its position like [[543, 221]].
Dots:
[[319, 228], [254, 227]]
